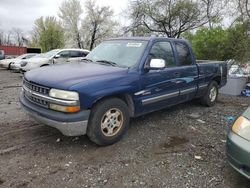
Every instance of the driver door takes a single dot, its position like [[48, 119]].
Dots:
[[160, 86]]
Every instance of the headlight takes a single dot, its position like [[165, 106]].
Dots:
[[61, 94], [23, 63], [242, 127]]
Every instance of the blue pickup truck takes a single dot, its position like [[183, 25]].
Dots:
[[121, 78]]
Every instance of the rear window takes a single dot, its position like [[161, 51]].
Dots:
[[184, 54], [77, 54]]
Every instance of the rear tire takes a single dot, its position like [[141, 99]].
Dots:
[[211, 95], [108, 122]]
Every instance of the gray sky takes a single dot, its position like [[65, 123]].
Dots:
[[22, 13]]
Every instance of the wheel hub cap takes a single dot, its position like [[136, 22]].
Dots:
[[213, 94], [111, 122]]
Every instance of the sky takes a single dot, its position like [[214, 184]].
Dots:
[[22, 13]]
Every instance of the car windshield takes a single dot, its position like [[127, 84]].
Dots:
[[124, 53], [49, 54]]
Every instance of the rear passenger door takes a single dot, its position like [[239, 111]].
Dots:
[[187, 73]]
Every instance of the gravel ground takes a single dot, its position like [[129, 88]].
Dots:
[[162, 149]]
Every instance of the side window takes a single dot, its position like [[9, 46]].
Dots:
[[75, 54], [162, 50], [64, 54], [184, 54]]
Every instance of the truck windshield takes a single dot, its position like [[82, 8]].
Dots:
[[124, 53]]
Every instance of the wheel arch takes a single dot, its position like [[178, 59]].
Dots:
[[217, 79], [127, 98]]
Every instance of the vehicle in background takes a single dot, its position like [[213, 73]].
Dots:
[[15, 51], [2, 54], [238, 144], [15, 64], [5, 63], [121, 78], [57, 56]]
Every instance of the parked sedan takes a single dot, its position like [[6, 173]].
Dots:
[[16, 64], [57, 56], [5, 63], [238, 144]]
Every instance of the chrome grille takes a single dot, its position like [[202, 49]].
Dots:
[[38, 101], [36, 88]]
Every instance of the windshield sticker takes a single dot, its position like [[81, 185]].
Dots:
[[134, 45]]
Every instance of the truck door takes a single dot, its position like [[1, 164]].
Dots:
[[159, 87], [187, 72]]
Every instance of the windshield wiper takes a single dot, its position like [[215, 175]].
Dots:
[[89, 60], [107, 62]]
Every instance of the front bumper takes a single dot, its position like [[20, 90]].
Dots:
[[4, 65], [69, 124], [15, 67], [238, 153]]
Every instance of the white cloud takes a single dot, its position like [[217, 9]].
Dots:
[[23, 13]]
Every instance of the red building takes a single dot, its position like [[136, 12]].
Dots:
[[18, 50]]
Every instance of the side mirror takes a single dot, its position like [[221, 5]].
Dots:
[[57, 56], [157, 64]]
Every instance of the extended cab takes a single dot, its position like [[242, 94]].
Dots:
[[119, 79]]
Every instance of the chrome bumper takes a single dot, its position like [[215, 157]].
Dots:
[[74, 124], [66, 128]]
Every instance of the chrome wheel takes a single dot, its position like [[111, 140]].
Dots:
[[112, 122], [213, 94]]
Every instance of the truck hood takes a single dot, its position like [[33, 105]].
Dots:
[[64, 76]]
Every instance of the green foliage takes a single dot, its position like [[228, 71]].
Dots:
[[222, 44], [239, 42], [48, 34], [209, 43]]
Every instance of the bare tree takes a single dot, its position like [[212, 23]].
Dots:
[[97, 24], [70, 13], [1, 37], [244, 8], [167, 17], [8, 38], [18, 36], [213, 9]]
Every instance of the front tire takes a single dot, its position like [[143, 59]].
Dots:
[[109, 121], [211, 95]]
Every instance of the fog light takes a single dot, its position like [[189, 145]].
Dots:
[[60, 108]]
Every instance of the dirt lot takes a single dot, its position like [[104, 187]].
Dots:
[[163, 149]]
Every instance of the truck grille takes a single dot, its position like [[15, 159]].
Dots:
[[38, 89], [37, 101]]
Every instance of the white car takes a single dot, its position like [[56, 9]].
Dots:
[[57, 56], [5, 63], [16, 65]]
